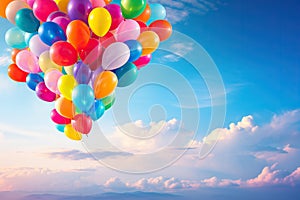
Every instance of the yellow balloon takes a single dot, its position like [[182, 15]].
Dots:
[[66, 84], [149, 41], [100, 21], [62, 5], [46, 63], [71, 133]]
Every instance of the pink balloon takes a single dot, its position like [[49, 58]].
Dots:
[[62, 22], [51, 79], [98, 3], [37, 46], [128, 30], [44, 93], [143, 61], [43, 8], [30, 3], [82, 123], [56, 14], [28, 62], [58, 119]]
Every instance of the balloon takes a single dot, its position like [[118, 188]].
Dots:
[[98, 3], [51, 32], [56, 14], [149, 41], [14, 54], [116, 15], [162, 28], [97, 110], [82, 73], [126, 74], [91, 54], [32, 80], [30, 3], [37, 46], [65, 107], [145, 16], [105, 84], [26, 20], [62, 5], [58, 119], [107, 40], [71, 133], [158, 12], [82, 123], [43, 8], [63, 22], [60, 127], [142, 61], [14, 38], [109, 101], [107, 1], [16, 74], [83, 97], [135, 49], [46, 63], [66, 84], [63, 53], [115, 56], [28, 37], [95, 74], [128, 30], [27, 61], [131, 9], [69, 70], [51, 79], [3, 6], [12, 9], [143, 26], [44, 93], [78, 34], [100, 21], [79, 9]]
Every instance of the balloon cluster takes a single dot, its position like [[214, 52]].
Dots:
[[76, 52]]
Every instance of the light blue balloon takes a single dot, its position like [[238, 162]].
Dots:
[[15, 38], [60, 127], [83, 97], [97, 110], [158, 12]]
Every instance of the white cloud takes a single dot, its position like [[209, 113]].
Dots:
[[178, 50], [4, 60]]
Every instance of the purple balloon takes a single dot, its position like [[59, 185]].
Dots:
[[82, 73], [79, 9], [95, 75], [44, 93], [62, 22], [116, 15], [55, 14]]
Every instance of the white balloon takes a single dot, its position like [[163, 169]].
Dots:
[[128, 30], [115, 56], [37, 46]]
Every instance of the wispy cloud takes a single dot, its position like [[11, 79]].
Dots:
[[4, 60]]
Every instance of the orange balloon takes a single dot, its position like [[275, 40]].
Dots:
[[3, 5], [149, 41], [145, 16], [14, 53], [78, 34], [162, 28], [105, 84], [107, 1], [65, 107]]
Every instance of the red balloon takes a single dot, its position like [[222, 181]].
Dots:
[[108, 39], [58, 119], [92, 54], [143, 26], [16, 74], [82, 123], [63, 53]]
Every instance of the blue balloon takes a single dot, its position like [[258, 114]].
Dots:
[[32, 80], [60, 127], [51, 32], [28, 36], [82, 73], [26, 20], [158, 12], [126, 74], [15, 38], [83, 97], [135, 49], [97, 110]]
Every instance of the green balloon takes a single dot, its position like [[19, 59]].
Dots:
[[109, 101], [132, 8]]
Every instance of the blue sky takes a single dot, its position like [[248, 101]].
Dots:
[[254, 46]]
